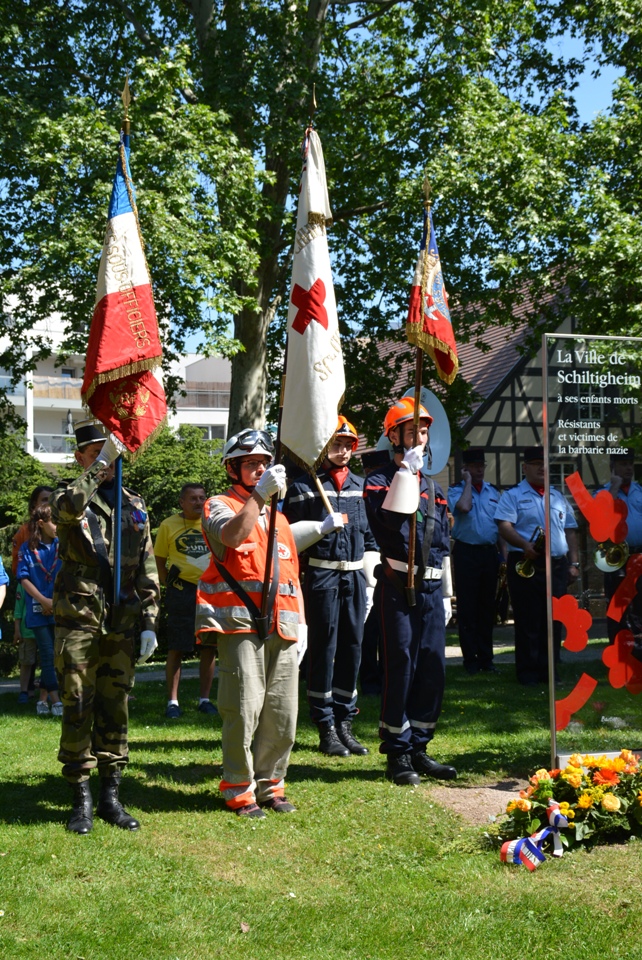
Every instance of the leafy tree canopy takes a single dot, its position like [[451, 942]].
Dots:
[[20, 473], [468, 92]]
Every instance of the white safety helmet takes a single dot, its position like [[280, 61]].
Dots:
[[247, 442]]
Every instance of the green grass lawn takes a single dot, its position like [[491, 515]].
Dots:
[[364, 869]]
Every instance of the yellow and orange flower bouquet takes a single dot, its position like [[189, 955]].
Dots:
[[601, 799]]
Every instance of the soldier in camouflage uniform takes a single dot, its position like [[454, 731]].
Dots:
[[94, 640]]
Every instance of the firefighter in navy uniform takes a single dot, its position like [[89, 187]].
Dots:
[[334, 589], [413, 637]]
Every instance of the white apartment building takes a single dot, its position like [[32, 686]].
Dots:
[[49, 399]]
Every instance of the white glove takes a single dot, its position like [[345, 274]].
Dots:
[[448, 609], [332, 523], [272, 481], [302, 642], [148, 644], [111, 450], [413, 459]]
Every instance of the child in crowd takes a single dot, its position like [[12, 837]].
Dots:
[[38, 564], [25, 640]]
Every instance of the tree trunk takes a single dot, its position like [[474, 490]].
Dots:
[[249, 370]]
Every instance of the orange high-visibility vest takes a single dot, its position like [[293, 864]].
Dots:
[[219, 609]]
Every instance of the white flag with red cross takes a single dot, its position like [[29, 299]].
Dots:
[[315, 381]]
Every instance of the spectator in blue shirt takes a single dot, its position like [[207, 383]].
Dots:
[[38, 564]]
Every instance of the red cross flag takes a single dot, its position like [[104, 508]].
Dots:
[[315, 381]]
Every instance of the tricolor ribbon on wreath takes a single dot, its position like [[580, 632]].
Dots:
[[528, 850]]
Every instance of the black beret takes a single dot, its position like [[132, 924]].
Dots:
[[474, 455], [533, 453]]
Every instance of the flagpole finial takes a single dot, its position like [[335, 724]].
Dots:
[[426, 188], [126, 97], [313, 104]]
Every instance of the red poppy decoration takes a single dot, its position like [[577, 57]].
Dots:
[[605, 515], [624, 669], [579, 695], [626, 591], [577, 622]]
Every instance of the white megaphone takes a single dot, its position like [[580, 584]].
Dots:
[[403, 495], [438, 449]]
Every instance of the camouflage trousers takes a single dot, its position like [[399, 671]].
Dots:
[[96, 673]]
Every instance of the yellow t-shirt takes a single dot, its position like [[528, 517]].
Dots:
[[180, 543]]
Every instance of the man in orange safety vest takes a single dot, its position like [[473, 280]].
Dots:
[[258, 674]]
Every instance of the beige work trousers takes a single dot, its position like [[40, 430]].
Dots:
[[258, 702]]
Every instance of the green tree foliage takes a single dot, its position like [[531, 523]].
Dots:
[[468, 92], [19, 474], [175, 458]]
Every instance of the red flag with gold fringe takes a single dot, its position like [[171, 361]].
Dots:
[[122, 385], [429, 326]]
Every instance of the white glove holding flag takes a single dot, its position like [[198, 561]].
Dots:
[[148, 644], [272, 481], [332, 523], [448, 609], [413, 459], [111, 450], [302, 643]]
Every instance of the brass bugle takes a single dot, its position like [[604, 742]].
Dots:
[[609, 557], [526, 568]]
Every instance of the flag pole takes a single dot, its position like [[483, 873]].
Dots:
[[277, 447], [322, 493], [118, 474], [273, 509], [419, 356]]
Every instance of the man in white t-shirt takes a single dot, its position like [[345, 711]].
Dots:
[[182, 557]]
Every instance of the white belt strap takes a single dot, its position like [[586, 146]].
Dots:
[[336, 564], [430, 573]]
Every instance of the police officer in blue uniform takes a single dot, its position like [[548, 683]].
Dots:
[[473, 503], [519, 513], [334, 590], [412, 629], [622, 486]]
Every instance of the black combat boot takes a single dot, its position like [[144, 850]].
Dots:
[[82, 811], [329, 742], [348, 739], [110, 809], [401, 771], [432, 768]]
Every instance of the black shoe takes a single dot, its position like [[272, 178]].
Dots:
[[471, 668], [491, 668], [401, 771], [82, 811], [173, 711], [110, 809], [207, 707], [431, 768], [251, 810], [279, 805], [347, 738], [329, 742]]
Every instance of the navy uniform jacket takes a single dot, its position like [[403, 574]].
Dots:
[[303, 502], [391, 530]]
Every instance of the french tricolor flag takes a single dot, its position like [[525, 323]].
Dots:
[[122, 385]]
